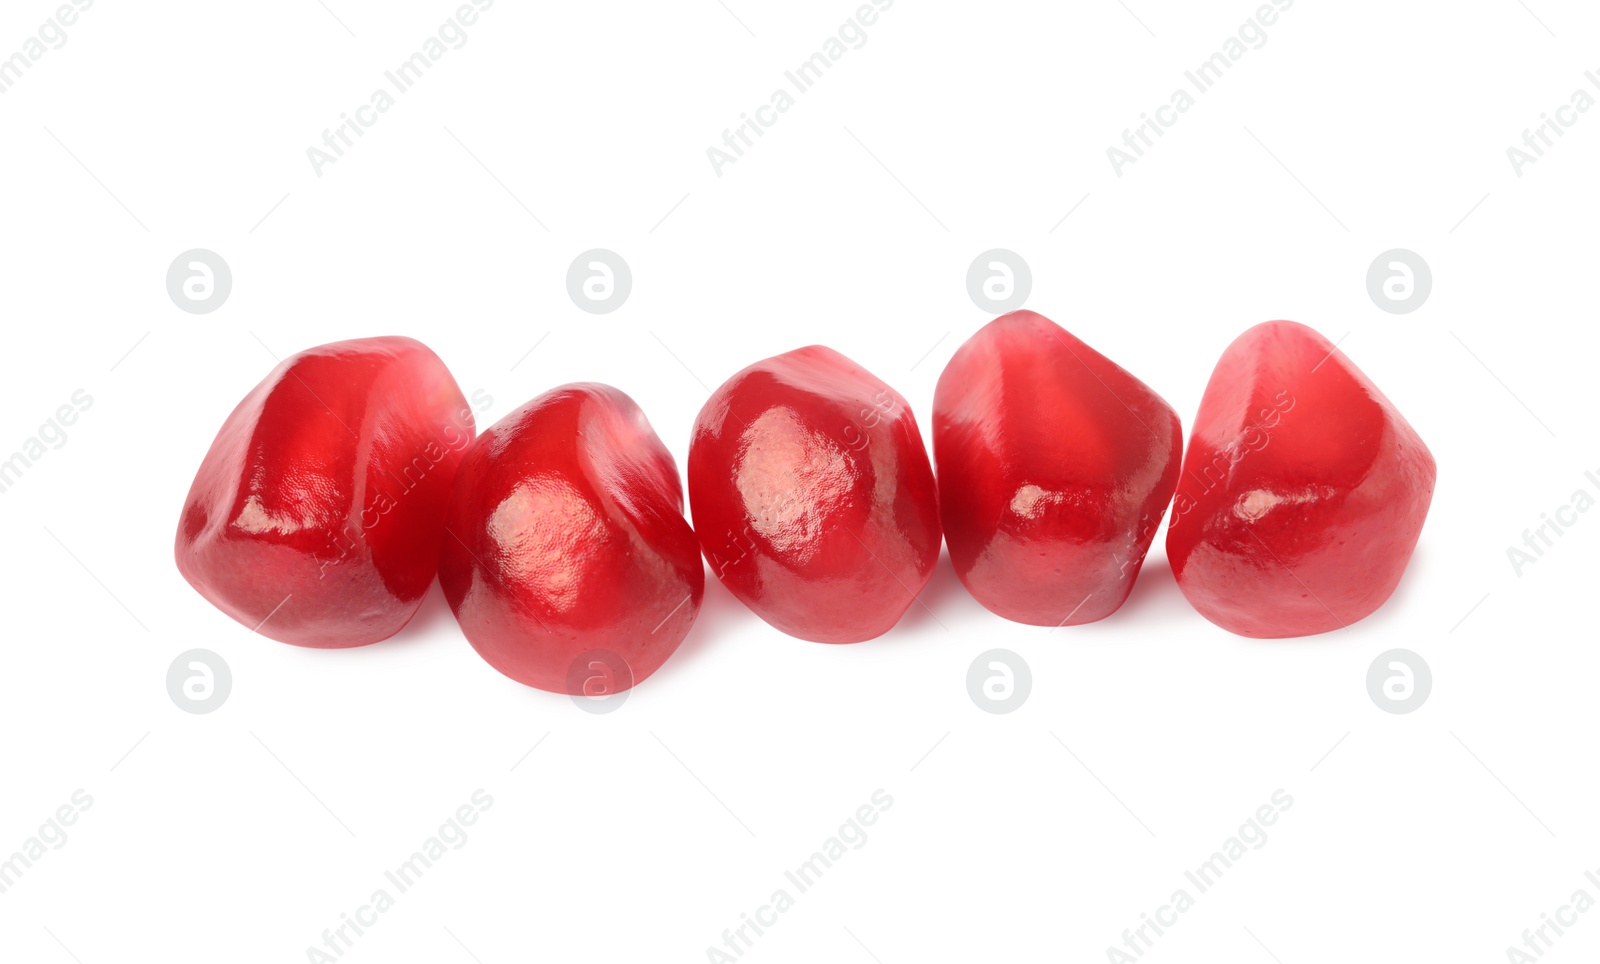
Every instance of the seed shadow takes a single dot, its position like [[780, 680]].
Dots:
[[720, 612], [940, 601], [1156, 599], [1407, 589], [432, 618], [1407, 592]]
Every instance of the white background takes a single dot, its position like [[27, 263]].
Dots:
[[643, 834]]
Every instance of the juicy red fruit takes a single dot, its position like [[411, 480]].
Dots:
[[813, 497], [1303, 491], [567, 559], [315, 517], [1055, 467]]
